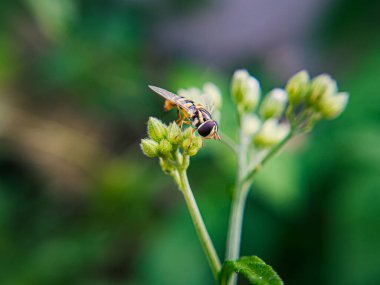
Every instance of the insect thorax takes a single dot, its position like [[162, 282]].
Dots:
[[200, 116]]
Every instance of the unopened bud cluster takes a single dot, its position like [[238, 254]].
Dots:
[[296, 108], [170, 144], [259, 120], [313, 99]]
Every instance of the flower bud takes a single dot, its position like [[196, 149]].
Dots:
[[149, 147], [274, 104], [174, 133], [156, 129], [321, 86], [195, 146], [251, 124], [297, 87], [332, 106], [186, 143], [271, 134], [165, 147], [212, 94], [188, 133], [245, 91]]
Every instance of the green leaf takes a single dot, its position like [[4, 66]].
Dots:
[[253, 268]]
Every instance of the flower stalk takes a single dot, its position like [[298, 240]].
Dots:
[[199, 225], [243, 185], [174, 147]]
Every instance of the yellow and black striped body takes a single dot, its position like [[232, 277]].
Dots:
[[200, 116], [194, 114], [182, 102]]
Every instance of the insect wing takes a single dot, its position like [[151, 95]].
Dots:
[[203, 99], [208, 103], [199, 97], [175, 99]]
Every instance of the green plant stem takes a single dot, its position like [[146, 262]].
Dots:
[[199, 225], [251, 173], [244, 182], [235, 227], [238, 204]]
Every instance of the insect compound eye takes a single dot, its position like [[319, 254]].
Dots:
[[206, 128]]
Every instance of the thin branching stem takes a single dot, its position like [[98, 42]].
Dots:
[[236, 221], [243, 184], [252, 172], [199, 225], [238, 204]]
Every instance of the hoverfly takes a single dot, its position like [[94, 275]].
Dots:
[[192, 113]]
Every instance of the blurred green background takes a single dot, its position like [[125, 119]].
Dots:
[[80, 204]]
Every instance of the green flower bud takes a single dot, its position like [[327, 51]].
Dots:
[[174, 133], [245, 91], [238, 85], [149, 147], [166, 166], [192, 151], [192, 145], [271, 134], [274, 104], [188, 133], [195, 146], [251, 124], [156, 129], [186, 143], [321, 86], [165, 147], [332, 106], [297, 87]]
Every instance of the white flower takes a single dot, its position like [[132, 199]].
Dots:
[[332, 106], [297, 87], [246, 91], [213, 95], [321, 86], [251, 125], [271, 133], [274, 104]]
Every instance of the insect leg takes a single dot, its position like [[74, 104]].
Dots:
[[179, 115], [185, 119], [191, 137], [185, 122]]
